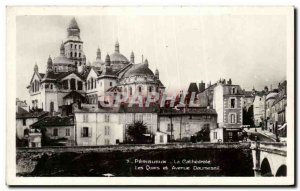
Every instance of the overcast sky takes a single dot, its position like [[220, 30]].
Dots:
[[251, 50]]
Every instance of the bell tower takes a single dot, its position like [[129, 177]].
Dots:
[[73, 46]]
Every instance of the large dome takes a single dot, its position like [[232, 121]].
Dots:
[[116, 57], [139, 70]]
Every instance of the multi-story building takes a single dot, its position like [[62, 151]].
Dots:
[[259, 108], [279, 109], [270, 115], [181, 125], [108, 126], [228, 103]]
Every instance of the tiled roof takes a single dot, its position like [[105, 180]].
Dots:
[[54, 121], [22, 113], [188, 111]]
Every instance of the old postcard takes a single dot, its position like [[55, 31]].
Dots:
[[150, 96]]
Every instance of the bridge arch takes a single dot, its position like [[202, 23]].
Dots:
[[265, 168], [281, 171]]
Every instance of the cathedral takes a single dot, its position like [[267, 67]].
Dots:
[[69, 78]]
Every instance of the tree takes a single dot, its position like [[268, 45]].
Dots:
[[136, 132], [203, 135]]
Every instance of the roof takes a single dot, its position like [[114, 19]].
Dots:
[[53, 121], [138, 69], [123, 108], [42, 75], [193, 87], [98, 63], [113, 89], [118, 57], [73, 94], [248, 93], [188, 111], [160, 84], [62, 60], [73, 24], [23, 114]]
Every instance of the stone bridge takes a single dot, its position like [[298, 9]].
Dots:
[[269, 158]]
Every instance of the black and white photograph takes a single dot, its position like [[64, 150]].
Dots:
[[155, 95]]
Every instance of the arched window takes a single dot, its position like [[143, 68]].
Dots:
[[79, 55], [79, 85], [140, 89], [51, 106], [73, 84], [89, 84], [92, 83], [75, 54], [150, 89], [75, 46], [71, 45], [71, 54], [130, 91]]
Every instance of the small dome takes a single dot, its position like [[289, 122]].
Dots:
[[139, 70], [118, 58]]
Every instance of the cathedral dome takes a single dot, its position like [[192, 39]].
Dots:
[[139, 70], [117, 57]]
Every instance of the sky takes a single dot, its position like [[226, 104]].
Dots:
[[249, 49]]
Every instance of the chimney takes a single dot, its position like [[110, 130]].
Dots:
[[201, 86]]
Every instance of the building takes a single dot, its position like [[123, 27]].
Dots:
[[279, 109], [259, 107], [95, 125], [181, 125], [60, 130], [270, 114], [24, 119], [69, 78], [228, 103]]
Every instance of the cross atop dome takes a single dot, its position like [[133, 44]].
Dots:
[[117, 47]]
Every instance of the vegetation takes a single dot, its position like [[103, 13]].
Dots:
[[137, 133], [202, 135]]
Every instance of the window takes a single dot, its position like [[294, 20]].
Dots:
[[85, 118], [107, 130], [71, 54], [106, 118], [75, 46], [79, 46], [150, 89], [75, 54], [106, 141], [85, 132], [92, 83], [51, 106], [79, 55], [215, 135], [140, 89], [75, 63], [67, 132], [130, 91], [232, 118], [95, 83], [24, 122], [55, 132], [232, 103], [65, 84], [161, 138], [170, 128], [79, 85], [71, 45], [110, 83], [233, 90], [51, 86]]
